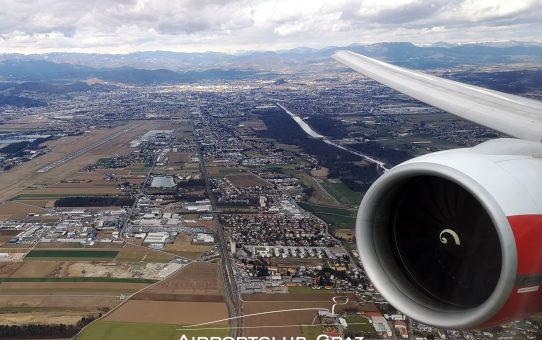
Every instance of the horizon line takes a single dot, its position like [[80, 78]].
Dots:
[[250, 51]]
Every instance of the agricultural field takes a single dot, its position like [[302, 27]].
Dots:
[[323, 172], [339, 218], [70, 288], [192, 295], [77, 279], [346, 234], [359, 325], [25, 305], [318, 196], [342, 193], [143, 331], [36, 269], [68, 254], [192, 282], [51, 309], [184, 247], [170, 312], [179, 158], [254, 123], [18, 210], [133, 253], [311, 331]]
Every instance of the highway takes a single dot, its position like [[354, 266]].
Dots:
[[308, 130], [230, 285]]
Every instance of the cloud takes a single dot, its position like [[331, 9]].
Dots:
[[129, 25]]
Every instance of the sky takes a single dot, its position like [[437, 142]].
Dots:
[[123, 26]]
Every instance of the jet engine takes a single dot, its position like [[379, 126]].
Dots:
[[453, 239]]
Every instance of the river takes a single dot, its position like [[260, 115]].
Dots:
[[306, 127]]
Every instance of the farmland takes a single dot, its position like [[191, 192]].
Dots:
[[72, 254], [192, 282], [192, 295], [76, 279], [359, 325], [183, 247], [342, 193], [142, 331], [340, 218], [50, 309], [133, 253], [169, 312]]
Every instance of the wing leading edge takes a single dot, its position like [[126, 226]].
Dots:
[[513, 115]]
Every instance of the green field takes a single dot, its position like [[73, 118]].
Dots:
[[342, 193], [114, 330], [359, 325], [311, 332], [77, 279], [309, 290], [339, 218], [103, 161], [76, 254]]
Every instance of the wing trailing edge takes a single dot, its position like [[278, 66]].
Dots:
[[510, 114]]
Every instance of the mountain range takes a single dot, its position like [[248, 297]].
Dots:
[[162, 67]]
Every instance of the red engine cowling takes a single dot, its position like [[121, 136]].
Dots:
[[454, 239]]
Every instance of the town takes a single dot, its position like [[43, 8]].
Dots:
[[145, 182]]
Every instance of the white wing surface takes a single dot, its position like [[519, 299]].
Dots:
[[513, 115]]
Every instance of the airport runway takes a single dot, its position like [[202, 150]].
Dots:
[[83, 151]]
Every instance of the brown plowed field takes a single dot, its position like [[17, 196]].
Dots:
[[16, 210], [7, 269], [192, 295], [195, 279], [178, 297], [37, 269], [20, 309], [70, 285], [170, 312]]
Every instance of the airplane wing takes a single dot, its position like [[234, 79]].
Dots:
[[513, 115]]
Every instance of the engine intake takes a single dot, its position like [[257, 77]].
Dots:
[[438, 236], [444, 241]]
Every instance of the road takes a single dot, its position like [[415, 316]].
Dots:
[[228, 278], [308, 129], [140, 193]]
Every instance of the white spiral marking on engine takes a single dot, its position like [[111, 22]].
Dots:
[[452, 233]]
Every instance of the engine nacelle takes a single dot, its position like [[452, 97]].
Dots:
[[453, 239]]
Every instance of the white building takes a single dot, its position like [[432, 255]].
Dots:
[[203, 238], [157, 237]]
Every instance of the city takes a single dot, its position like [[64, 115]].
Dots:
[[176, 205]]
